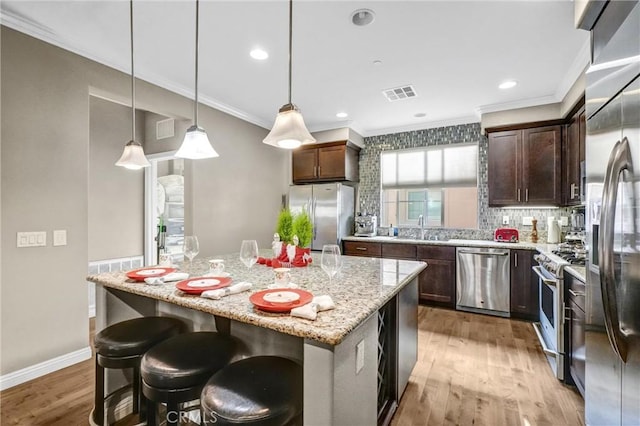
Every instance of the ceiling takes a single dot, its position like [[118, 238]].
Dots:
[[454, 54]]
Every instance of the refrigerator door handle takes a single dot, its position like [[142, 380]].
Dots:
[[619, 161]]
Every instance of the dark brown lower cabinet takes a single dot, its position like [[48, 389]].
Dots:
[[574, 331], [524, 286], [437, 283]]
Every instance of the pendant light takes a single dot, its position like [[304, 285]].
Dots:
[[289, 130], [196, 145], [133, 155]]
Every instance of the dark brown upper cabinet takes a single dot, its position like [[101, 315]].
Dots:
[[326, 162], [573, 157], [525, 165]]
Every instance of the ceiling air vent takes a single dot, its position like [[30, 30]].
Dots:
[[399, 93], [165, 129]]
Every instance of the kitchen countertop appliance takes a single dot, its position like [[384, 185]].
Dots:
[[483, 280], [612, 329], [331, 207], [366, 225], [550, 330], [506, 235]]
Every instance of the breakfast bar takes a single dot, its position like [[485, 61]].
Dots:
[[356, 358]]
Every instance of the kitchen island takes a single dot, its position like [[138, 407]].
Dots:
[[348, 380]]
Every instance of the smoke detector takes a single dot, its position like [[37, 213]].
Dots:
[[362, 17], [400, 93]]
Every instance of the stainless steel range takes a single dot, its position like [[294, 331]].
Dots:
[[550, 329]]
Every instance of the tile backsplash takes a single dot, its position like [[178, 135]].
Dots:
[[489, 218]]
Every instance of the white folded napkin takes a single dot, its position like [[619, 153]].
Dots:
[[174, 276], [310, 310], [221, 292]]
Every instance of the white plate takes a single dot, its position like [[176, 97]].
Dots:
[[274, 286], [281, 297], [205, 282]]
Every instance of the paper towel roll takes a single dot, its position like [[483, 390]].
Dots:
[[553, 230]]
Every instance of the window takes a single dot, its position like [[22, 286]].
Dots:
[[437, 182]]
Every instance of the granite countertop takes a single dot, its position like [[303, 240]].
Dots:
[[360, 288], [580, 272], [523, 245]]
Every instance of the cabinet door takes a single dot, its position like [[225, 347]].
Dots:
[[577, 346], [331, 161], [438, 283], [357, 248], [304, 164], [541, 165], [504, 172], [573, 155], [524, 286]]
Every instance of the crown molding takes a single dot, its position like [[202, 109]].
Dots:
[[456, 121], [523, 103], [577, 68]]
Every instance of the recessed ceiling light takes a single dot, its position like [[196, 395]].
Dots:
[[362, 17], [419, 115], [508, 84], [259, 54], [342, 115]]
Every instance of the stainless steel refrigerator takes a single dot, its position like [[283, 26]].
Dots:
[[331, 208], [612, 326]]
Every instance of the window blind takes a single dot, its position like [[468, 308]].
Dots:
[[430, 167]]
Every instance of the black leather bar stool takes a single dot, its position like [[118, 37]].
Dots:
[[174, 371], [262, 390], [122, 345]]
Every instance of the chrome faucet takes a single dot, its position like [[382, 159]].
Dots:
[[421, 225]]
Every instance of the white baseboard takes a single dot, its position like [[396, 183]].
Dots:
[[38, 370]]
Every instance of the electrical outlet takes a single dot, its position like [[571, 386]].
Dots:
[[505, 220], [564, 220], [526, 220], [359, 356]]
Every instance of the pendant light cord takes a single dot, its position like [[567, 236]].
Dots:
[[133, 85], [195, 112], [290, 44]]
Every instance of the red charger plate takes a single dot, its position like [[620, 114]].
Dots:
[[258, 300], [149, 272], [199, 284]]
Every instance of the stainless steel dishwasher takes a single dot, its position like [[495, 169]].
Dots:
[[483, 280]]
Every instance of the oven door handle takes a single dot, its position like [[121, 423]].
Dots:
[[545, 348], [548, 281], [619, 161]]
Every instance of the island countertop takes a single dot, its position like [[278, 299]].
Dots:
[[361, 287]]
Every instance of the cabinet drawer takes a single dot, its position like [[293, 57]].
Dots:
[[576, 290], [358, 248], [436, 252], [399, 251]]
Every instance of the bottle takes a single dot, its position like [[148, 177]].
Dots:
[[391, 229], [534, 231]]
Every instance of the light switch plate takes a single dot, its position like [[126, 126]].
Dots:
[[526, 220], [31, 239], [505, 220], [564, 220], [60, 237]]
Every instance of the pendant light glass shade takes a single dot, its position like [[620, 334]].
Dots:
[[289, 130], [132, 157], [196, 145]]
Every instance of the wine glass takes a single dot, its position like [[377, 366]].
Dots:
[[249, 252], [331, 261], [191, 248]]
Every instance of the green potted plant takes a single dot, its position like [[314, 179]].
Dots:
[[303, 229], [284, 228]]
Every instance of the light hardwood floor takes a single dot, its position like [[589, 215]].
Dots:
[[472, 369]]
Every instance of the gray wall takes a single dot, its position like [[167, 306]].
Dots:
[[45, 186], [114, 231]]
